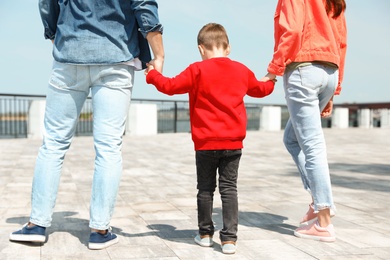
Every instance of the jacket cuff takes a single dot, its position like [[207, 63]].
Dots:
[[275, 69], [156, 28]]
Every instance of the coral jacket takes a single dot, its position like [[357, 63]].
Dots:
[[216, 89], [305, 32]]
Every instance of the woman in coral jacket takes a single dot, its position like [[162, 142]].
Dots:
[[309, 52]]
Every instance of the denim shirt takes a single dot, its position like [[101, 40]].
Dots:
[[99, 31]]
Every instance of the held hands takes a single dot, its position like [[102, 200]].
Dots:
[[149, 68], [156, 64], [268, 77]]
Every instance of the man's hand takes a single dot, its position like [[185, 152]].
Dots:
[[157, 64]]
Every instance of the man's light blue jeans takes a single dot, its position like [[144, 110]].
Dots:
[[308, 89], [69, 86]]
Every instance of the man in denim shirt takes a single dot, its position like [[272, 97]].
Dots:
[[97, 47]]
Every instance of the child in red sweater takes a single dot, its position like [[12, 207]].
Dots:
[[216, 87]]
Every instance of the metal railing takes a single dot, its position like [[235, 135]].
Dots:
[[14, 115], [172, 115]]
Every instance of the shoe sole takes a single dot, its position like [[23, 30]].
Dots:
[[317, 238], [199, 242], [227, 251], [98, 246], [27, 238], [204, 244]]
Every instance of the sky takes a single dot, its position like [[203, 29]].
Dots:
[[26, 57]]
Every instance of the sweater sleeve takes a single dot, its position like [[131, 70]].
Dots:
[[259, 88], [180, 84]]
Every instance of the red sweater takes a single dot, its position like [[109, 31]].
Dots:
[[216, 89]]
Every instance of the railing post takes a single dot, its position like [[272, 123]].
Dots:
[[175, 119], [340, 117], [365, 120], [142, 119], [385, 118], [36, 113], [271, 118]]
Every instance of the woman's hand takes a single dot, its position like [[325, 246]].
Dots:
[[268, 77], [328, 109]]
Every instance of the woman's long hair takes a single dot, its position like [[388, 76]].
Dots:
[[337, 6]]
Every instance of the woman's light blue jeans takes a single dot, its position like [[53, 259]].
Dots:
[[69, 87], [308, 89]]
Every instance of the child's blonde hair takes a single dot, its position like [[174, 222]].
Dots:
[[213, 34]]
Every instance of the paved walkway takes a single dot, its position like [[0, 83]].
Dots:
[[155, 216]]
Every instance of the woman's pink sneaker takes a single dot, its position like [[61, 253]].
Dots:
[[315, 232]]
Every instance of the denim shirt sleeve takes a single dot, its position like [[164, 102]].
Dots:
[[146, 13], [49, 11]]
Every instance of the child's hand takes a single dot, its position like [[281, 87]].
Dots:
[[149, 68]]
